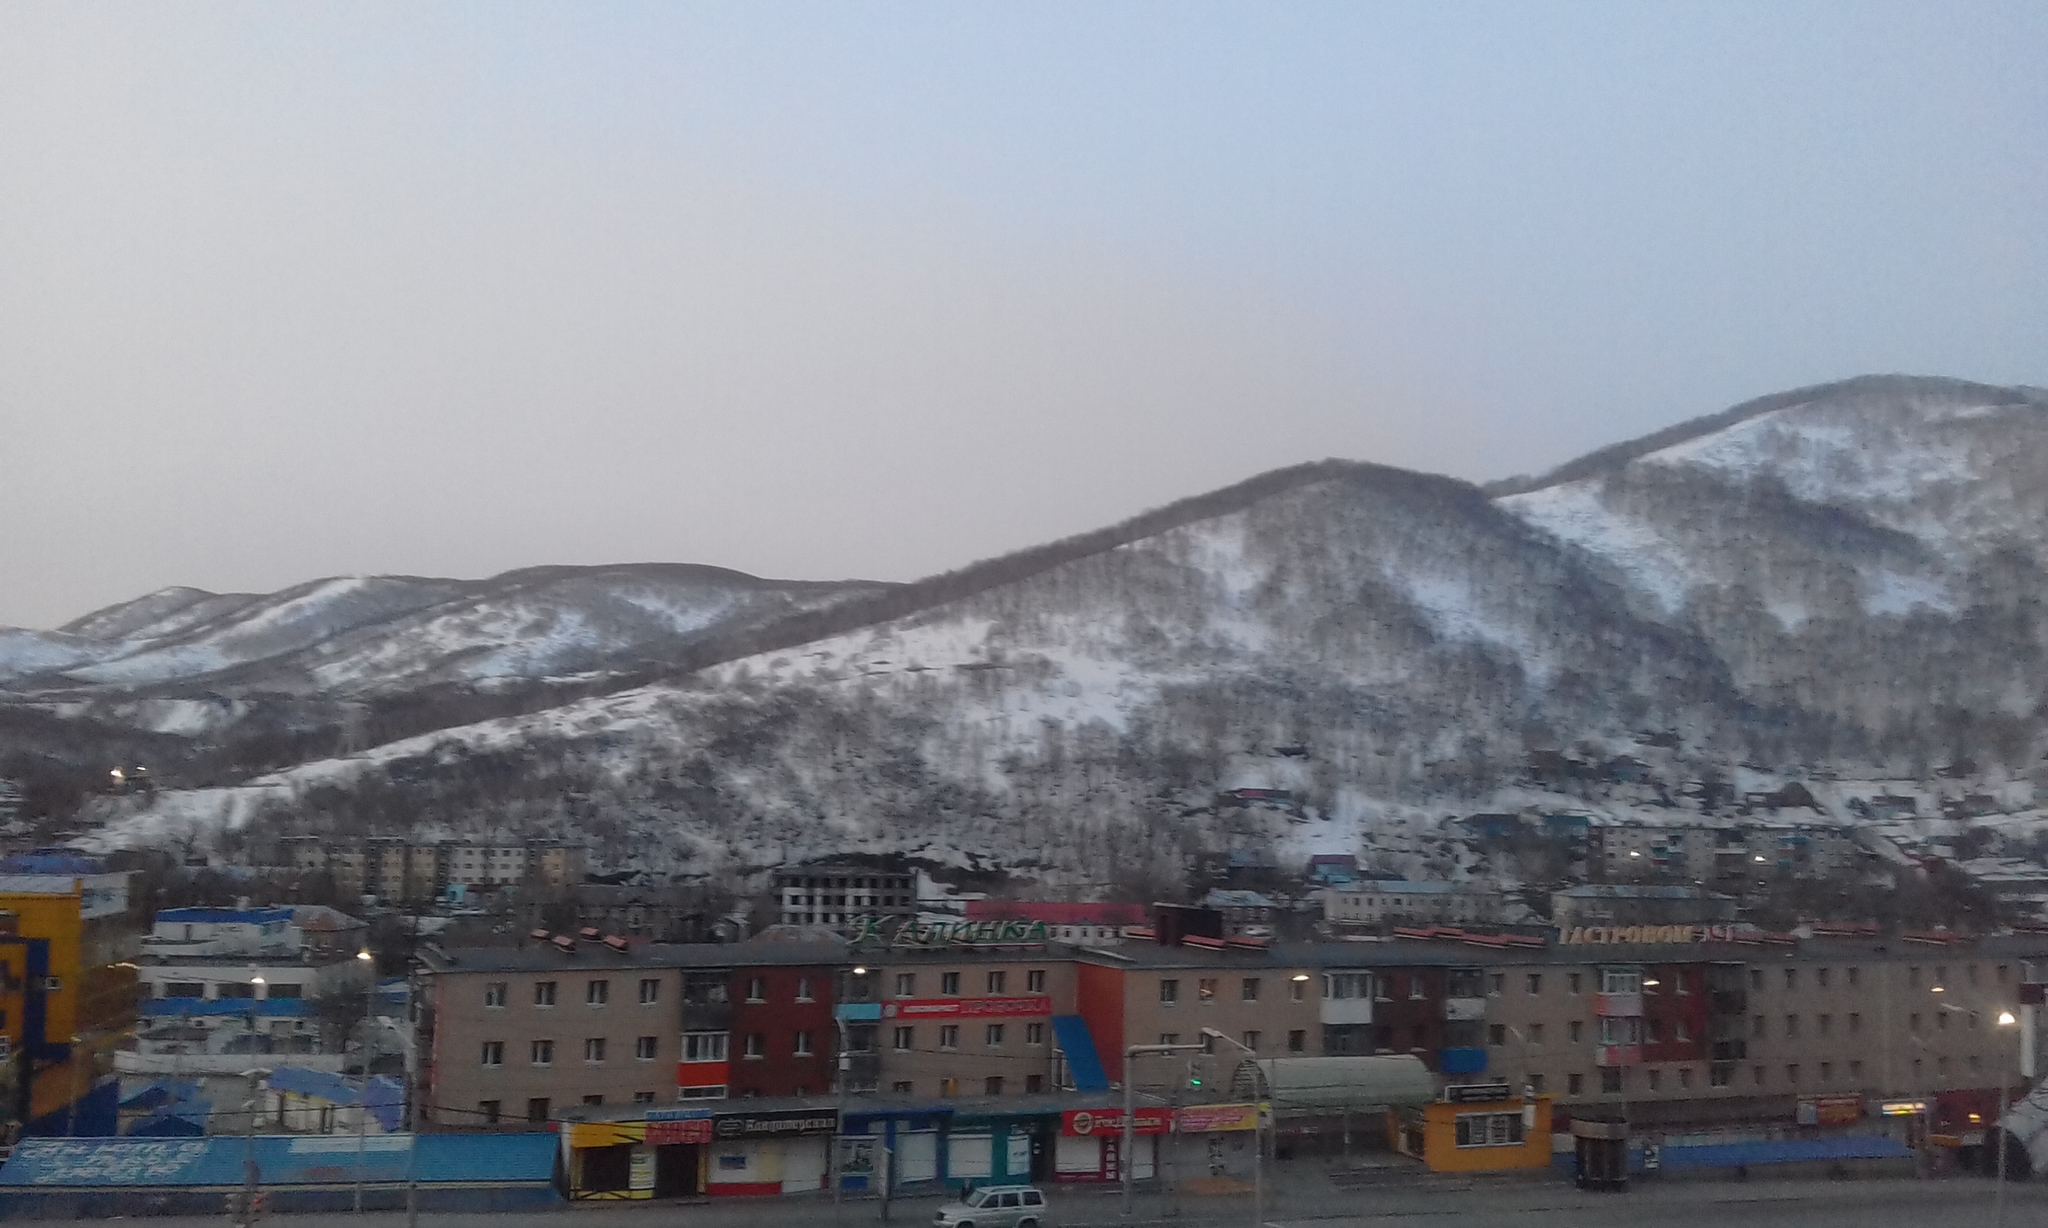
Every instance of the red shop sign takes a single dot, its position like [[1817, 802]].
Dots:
[[1093, 1123], [972, 1008]]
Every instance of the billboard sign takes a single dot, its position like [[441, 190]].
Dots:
[[1104, 1123]]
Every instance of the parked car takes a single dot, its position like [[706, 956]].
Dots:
[[997, 1206]]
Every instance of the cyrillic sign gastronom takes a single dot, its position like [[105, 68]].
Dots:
[[969, 1008], [1646, 935], [913, 933], [788, 1123]]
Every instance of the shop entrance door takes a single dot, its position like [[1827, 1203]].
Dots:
[[675, 1170]]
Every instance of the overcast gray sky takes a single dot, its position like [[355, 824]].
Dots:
[[826, 290]]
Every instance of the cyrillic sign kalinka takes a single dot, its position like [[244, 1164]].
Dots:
[[1647, 935], [913, 933]]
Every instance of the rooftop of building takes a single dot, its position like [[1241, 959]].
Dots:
[[538, 956], [224, 916], [1399, 886], [1638, 891]]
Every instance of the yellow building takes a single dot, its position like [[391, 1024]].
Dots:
[[1490, 1135], [40, 937]]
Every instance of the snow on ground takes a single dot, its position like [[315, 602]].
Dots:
[[1573, 512]]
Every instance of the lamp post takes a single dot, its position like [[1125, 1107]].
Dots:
[[251, 1175], [2003, 1019], [833, 1166], [363, 1097], [1130, 1140], [1258, 1126]]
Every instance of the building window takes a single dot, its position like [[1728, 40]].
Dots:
[[1533, 1034], [1825, 1023], [1721, 1074], [543, 1053], [650, 991], [1034, 1084], [1791, 1027], [1756, 978], [1792, 1074], [645, 1048], [756, 1046], [1827, 1071], [494, 995], [906, 984], [1297, 988], [1855, 974], [1497, 984], [708, 1092], [1612, 1078], [949, 984], [1169, 992], [1297, 1041], [1574, 1084], [1756, 1026], [490, 1110], [1417, 990], [1756, 1074], [537, 1109], [1575, 1031], [1034, 981], [1497, 1034], [1535, 983], [494, 1053], [803, 989], [1621, 1029], [1250, 1040], [949, 1088], [992, 1086], [1656, 1077], [1820, 977], [543, 993], [997, 981], [1488, 1129], [704, 1046], [597, 993], [757, 989], [1621, 980], [643, 1097], [1346, 985], [1248, 991], [1034, 1033], [949, 1036], [901, 1087], [1684, 1077], [594, 1100], [1791, 979], [1205, 990], [804, 1041], [1856, 1069], [906, 1039], [593, 1049], [1572, 982]]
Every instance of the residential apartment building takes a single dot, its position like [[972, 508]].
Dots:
[[1728, 854], [1680, 1024], [397, 868], [1374, 903], [223, 984], [556, 1024], [950, 1023], [837, 893]]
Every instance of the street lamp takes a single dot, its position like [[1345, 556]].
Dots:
[[363, 1097], [2004, 1019], [251, 1176], [1258, 1126]]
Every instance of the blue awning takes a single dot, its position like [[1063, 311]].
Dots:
[[1082, 1061]]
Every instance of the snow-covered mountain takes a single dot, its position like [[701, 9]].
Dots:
[[1840, 581], [186, 660]]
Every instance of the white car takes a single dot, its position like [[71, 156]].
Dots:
[[997, 1206]]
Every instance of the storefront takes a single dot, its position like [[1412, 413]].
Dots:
[[1001, 1148], [782, 1151], [897, 1145], [1213, 1142], [1091, 1144], [664, 1156], [1475, 1129]]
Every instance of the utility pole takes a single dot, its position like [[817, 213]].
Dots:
[[251, 1174], [1129, 1145], [363, 1097]]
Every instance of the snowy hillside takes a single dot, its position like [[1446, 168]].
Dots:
[[1839, 584]]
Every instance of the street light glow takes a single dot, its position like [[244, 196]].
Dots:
[[2005, 1019], [364, 955]]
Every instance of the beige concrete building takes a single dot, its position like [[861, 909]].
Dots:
[[1373, 903], [966, 1023]]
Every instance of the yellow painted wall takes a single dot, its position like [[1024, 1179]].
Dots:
[[54, 917], [1440, 1139]]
